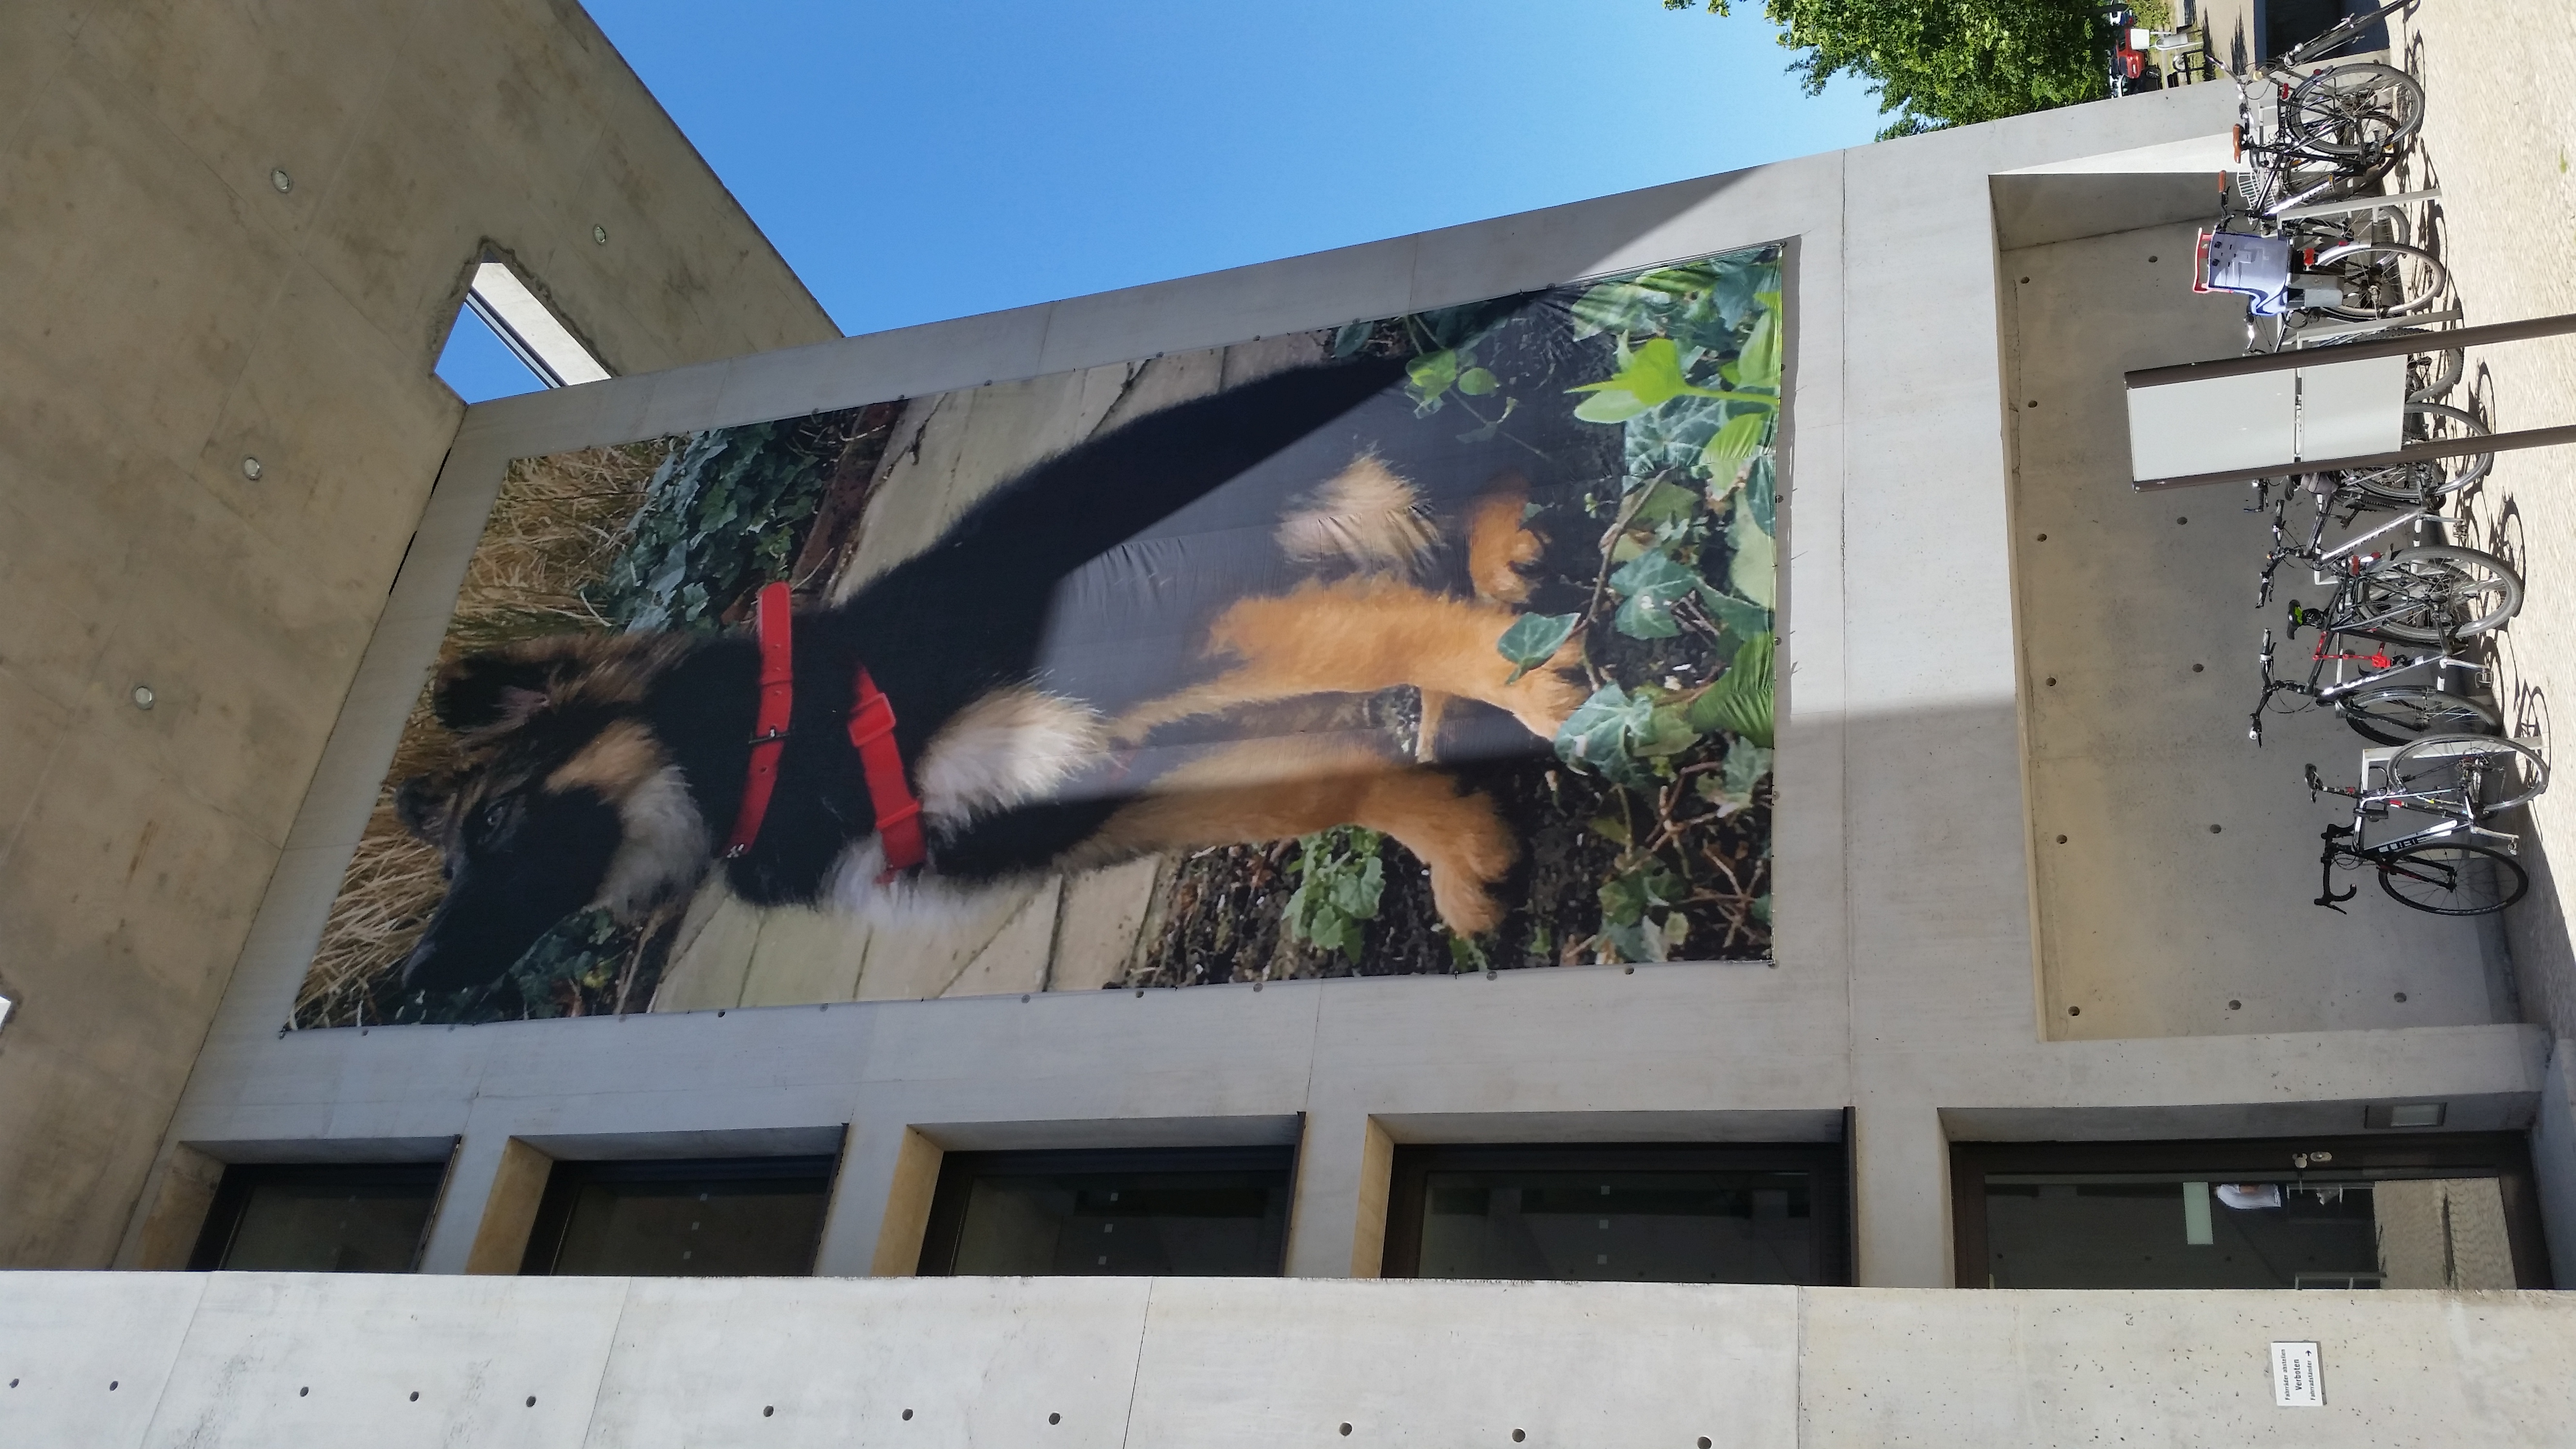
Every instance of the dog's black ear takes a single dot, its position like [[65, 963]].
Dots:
[[482, 690], [422, 804]]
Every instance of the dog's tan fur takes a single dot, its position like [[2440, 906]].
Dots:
[[1273, 790], [1366, 518], [1498, 546], [1359, 636]]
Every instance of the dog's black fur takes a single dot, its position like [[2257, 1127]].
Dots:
[[526, 842]]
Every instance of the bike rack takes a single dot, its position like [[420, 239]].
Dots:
[[2267, 413]]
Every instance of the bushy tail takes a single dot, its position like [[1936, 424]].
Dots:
[[1085, 501], [1365, 519]]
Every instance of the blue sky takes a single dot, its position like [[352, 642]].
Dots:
[[921, 161]]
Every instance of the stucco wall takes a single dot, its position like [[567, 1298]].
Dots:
[[166, 311]]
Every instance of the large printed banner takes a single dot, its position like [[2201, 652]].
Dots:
[[1433, 643]]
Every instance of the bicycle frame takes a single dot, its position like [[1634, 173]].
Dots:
[[2384, 667], [2345, 560], [2458, 822]]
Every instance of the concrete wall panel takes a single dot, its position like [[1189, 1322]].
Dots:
[[292, 1360], [169, 311]]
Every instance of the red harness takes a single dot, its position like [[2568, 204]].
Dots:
[[871, 732]]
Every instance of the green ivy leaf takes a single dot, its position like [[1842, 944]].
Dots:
[[1533, 639], [1609, 407], [1596, 735], [1666, 502], [1759, 364], [1741, 701], [1668, 733], [1739, 617], [1477, 381], [1761, 492], [1433, 372], [1648, 586], [1754, 570], [1732, 449]]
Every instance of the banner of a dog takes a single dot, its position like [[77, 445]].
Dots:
[[1432, 643]]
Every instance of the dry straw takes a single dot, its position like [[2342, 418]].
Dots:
[[555, 529]]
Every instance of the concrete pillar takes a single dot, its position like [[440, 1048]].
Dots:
[[880, 1204], [493, 1188], [1901, 1172], [1337, 1227], [2553, 1160]]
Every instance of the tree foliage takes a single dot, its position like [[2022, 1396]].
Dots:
[[1938, 63]]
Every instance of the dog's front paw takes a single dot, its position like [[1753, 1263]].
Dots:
[[1466, 906]]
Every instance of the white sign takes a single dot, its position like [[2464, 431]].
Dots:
[[2297, 1383]]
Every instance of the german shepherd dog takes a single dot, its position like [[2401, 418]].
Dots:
[[1102, 659]]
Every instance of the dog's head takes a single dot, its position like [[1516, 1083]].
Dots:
[[560, 798]]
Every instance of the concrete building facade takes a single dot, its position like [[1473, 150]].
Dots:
[[2033, 887]]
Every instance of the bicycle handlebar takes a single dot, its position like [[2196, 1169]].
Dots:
[[2326, 895]]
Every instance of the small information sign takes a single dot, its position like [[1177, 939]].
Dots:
[[2296, 1380]]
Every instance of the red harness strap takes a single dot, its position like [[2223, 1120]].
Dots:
[[898, 814], [769, 727], [871, 732]]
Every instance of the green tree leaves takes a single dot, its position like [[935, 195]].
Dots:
[[1938, 63]]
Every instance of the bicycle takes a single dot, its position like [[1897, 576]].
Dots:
[[2428, 483], [2429, 594], [2300, 274], [2378, 710], [2457, 866], [2349, 120]]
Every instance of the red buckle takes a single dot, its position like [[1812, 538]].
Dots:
[[871, 719]]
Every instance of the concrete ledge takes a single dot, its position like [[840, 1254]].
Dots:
[[292, 1359]]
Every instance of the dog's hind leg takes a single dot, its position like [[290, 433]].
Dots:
[[1361, 636], [1426, 731], [1274, 791]]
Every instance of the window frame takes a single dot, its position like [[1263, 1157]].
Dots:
[[943, 1234], [2504, 1156], [1827, 1164], [568, 1176], [223, 1223]]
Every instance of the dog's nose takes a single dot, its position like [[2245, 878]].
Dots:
[[432, 968]]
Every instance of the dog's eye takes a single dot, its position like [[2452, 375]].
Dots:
[[496, 815]]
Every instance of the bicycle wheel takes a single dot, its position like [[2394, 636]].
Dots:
[[2431, 377], [2396, 714], [2359, 109], [2432, 595], [2489, 773], [2453, 880], [2382, 279], [2409, 485]]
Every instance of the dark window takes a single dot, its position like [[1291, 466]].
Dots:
[[1199, 1212], [297, 1218], [741, 1217], [2341, 1212], [1647, 1214], [2289, 24]]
